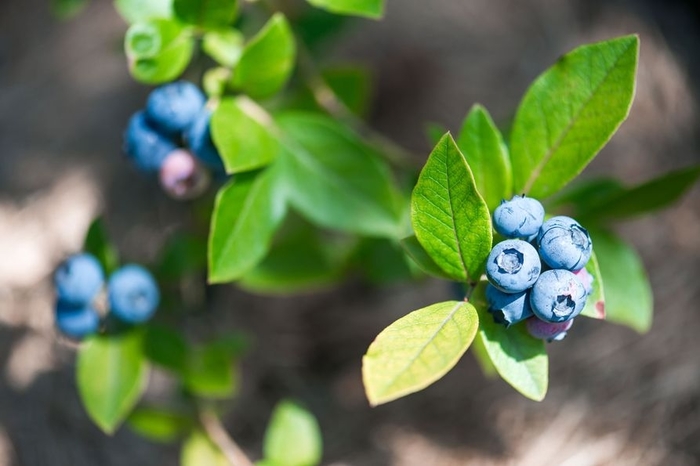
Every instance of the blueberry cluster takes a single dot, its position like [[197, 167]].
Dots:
[[545, 284], [171, 137], [132, 295]]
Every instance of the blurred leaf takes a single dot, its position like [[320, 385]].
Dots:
[[111, 375], [158, 50], [97, 243], [158, 424], [352, 85], [183, 254], [587, 193], [570, 112], [426, 263], [225, 46], [382, 261], [198, 450], [435, 132], [244, 142], [520, 359], [210, 371], [138, 11], [207, 14], [298, 261], [368, 8], [215, 81], [166, 347], [595, 303], [487, 156], [483, 359], [628, 295], [644, 198], [334, 179], [267, 61], [247, 213], [293, 437], [449, 216], [417, 350], [66, 9], [316, 27]]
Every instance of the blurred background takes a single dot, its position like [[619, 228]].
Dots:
[[615, 397]]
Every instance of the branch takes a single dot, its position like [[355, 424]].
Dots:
[[217, 433]]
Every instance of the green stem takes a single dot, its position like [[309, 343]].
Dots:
[[217, 433]]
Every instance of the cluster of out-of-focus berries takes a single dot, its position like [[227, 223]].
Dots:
[[171, 137], [538, 274], [131, 295]]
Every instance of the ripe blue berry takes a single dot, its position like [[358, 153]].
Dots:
[[198, 138], [173, 107], [133, 294], [521, 217], [146, 147], [557, 296], [547, 330], [564, 244], [182, 177], [508, 308], [513, 266], [76, 321], [78, 279]]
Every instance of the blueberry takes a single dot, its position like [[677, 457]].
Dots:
[[173, 107], [586, 279], [557, 296], [182, 177], [133, 294], [547, 330], [513, 266], [508, 308], [145, 145], [76, 321], [198, 138], [78, 279], [564, 244], [521, 217]]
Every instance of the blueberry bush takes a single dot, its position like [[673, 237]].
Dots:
[[308, 193]]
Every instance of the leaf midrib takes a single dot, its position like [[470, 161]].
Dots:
[[550, 153]]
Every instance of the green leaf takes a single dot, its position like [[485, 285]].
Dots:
[[426, 263], [111, 375], [587, 193], [293, 437], [182, 255], [198, 450], [644, 198], [97, 243], [225, 46], [368, 8], [334, 179], [595, 303], [215, 81], [267, 61], [158, 51], [417, 350], [138, 11], [246, 215], [519, 359], [487, 156], [298, 261], [628, 296], [242, 136], [352, 85], [449, 216], [570, 112], [158, 424], [483, 359], [67, 9], [210, 371], [207, 14], [166, 348]]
